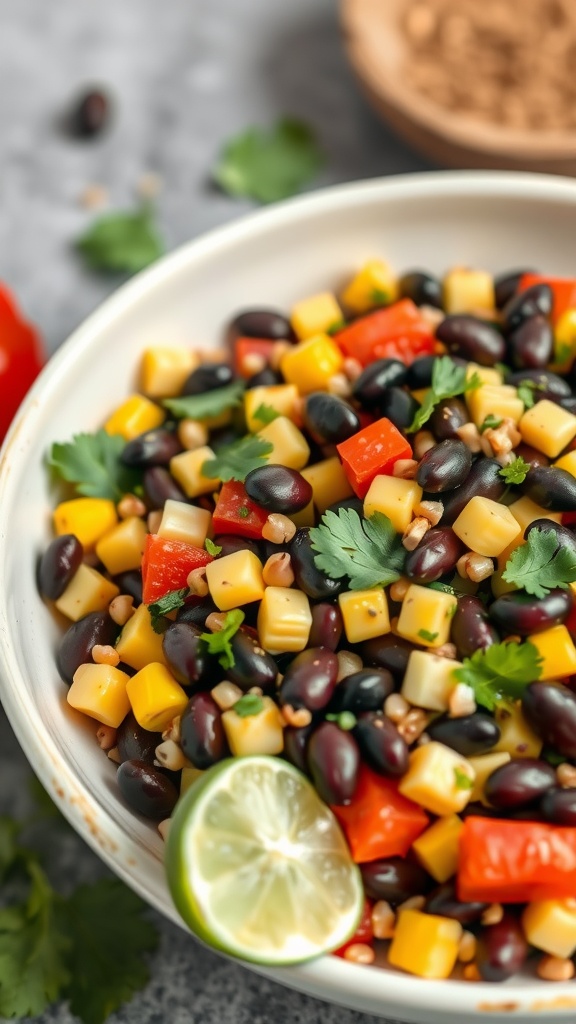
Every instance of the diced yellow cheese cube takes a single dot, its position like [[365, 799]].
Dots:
[[255, 734], [87, 518], [135, 416], [375, 284], [565, 341], [186, 468], [88, 591], [395, 498], [525, 511], [188, 777], [548, 427], [283, 398], [138, 643], [497, 584], [425, 944], [100, 692], [364, 613], [437, 847], [181, 521], [289, 446], [438, 778], [568, 463], [466, 291], [305, 517], [315, 315], [284, 620], [429, 680], [486, 527], [328, 481], [487, 374], [550, 925], [155, 697], [557, 648], [494, 400], [165, 369], [426, 616], [235, 580], [121, 549], [517, 738], [310, 364], [484, 765]]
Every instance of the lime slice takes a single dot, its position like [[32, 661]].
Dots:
[[257, 864]]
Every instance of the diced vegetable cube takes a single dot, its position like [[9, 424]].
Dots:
[[100, 692], [563, 291], [557, 648], [289, 446], [375, 284], [494, 400], [466, 291], [186, 468], [397, 332], [550, 925], [284, 620], [486, 526], [283, 398], [438, 779], [121, 549], [184, 522], [548, 427], [371, 452], [328, 481], [425, 944], [364, 613], [395, 498], [310, 364], [138, 643], [517, 738], [487, 374], [255, 734], [426, 616], [315, 315], [167, 564], [165, 369], [379, 822], [567, 462], [236, 513], [87, 518], [484, 765], [155, 697], [429, 680], [525, 511], [135, 416], [88, 591], [235, 580], [437, 847]]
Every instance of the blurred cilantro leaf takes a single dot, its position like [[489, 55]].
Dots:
[[269, 165], [124, 241]]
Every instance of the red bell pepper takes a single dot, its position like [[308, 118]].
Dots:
[[250, 347], [236, 513], [372, 451], [515, 861], [21, 359], [166, 565], [563, 290], [398, 331], [364, 932], [379, 821]]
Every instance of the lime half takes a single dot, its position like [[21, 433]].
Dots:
[[257, 864]]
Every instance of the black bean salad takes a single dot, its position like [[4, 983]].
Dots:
[[345, 541]]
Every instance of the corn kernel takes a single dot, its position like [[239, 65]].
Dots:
[[235, 580], [547, 427], [438, 778], [255, 734], [289, 446], [155, 697], [568, 463], [375, 284], [425, 944], [283, 398], [429, 680], [494, 400], [565, 340], [556, 647], [517, 738], [487, 374], [486, 527], [88, 591], [525, 511], [181, 521], [186, 468], [550, 925], [87, 518], [164, 370], [121, 549], [188, 777], [135, 416], [466, 290], [315, 315], [328, 481], [284, 620], [426, 616], [484, 765], [310, 364], [395, 498], [437, 847], [364, 613], [100, 692], [138, 643]]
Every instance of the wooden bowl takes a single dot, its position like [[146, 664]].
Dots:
[[377, 50]]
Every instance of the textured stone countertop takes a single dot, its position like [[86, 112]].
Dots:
[[186, 75]]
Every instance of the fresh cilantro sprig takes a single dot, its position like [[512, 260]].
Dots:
[[171, 602], [219, 643], [269, 165], [210, 403], [462, 780], [265, 413], [448, 380], [526, 389], [516, 472], [490, 423], [541, 564], [125, 241], [234, 461], [248, 705], [368, 551], [92, 463], [211, 547], [500, 673]]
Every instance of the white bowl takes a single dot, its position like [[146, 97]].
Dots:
[[493, 220]]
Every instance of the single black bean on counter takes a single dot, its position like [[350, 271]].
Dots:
[[310, 679], [134, 742], [208, 377], [154, 448], [522, 614], [329, 419], [278, 489], [334, 763], [531, 344], [502, 949], [365, 690], [435, 555], [58, 564], [469, 735], [315, 583], [382, 746], [444, 467], [448, 416], [370, 385], [533, 301], [472, 338], [394, 880], [260, 323], [202, 736], [76, 645], [550, 708], [471, 627], [147, 790], [519, 783], [90, 114], [422, 288], [551, 488], [506, 285]]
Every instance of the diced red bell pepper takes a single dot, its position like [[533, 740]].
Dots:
[[372, 451], [398, 331], [236, 513], [21, 358], [515, 861], [166, 565], [568, 518], [379, 821], [364, 932], [563, 290], [250, 347]]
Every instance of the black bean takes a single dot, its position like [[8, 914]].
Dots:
[[536, 300], [531, 343], [531, 455], [196, 610], [154, 448], [564, 536], [472, 338], [484, 478], [260, 323], [422, 288], [502, 949], [369, 387], [334, 763], [252, 666], [159, 486], [310, 679], [76, 645], [130, 582], [519, 783], [394, 880], [134, 742], [444, 902], [187, 655], [544, 381], [444, 467], [435, 555], [506, 285], [265, 378], [230, 543], [389, 652], [420, 373], [551, 488], [202, 736], [559, 806], [328, 418], [90, 114], [208, 377], [296, 746], [550, 708], [381, 745], [327, 626], [448, 417], [566, 403], [523, 614], [146, 789], [469, 735], [354, 503], [315, 583], [222, 437], [58, 565], [278, 488], [365, 690], [398, 406], [471, 628]]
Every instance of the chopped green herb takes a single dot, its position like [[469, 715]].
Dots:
[[243, 512], [491, 423], [448, 380], [211, 403], [269, 165], [516, 472], [462, 780], [553, 757], [368, 551], [426, 635], [169, 603], [541, 564], [265, 413], [444, 588], [526, 390], [563, 353], [248, 705], [211, 547], [501, 672], [379, 297], [345, 720], [92, 463], [338, 325], [219, 643], [234, 461], [122, 242]]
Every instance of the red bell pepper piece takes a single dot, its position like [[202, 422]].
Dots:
[[379, 821], [364, 932], [398, 332], [236, 513], [372, 451], [21, 359], [516, 861], [247, 347], [563, 290], [166, 565]]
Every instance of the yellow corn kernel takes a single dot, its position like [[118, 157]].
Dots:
[[188, 777], [305, 517], [375, 284], [135, 416], [289, 446], [517, 738], [425, 944], [121, 549], [547, 427], [420, 394], [550, 925], [155, 697], [395, 498], [525, 511], [87, 518], [426, 616], [438, 778], [235, 580], [498, 585], [186, 468], [138, 643], [283, 398], [310, 364], [100, 692], [284, 620], [315, 315], [568, 463], [486, 527], [468, 290], [429, 680], [487, 374], [565, 340], [255, 734], [556, 647], [328, 481], [181, 521], [437, 847], [88, 591], [494, 400], [164, 370], [484, 765], [364, 613]]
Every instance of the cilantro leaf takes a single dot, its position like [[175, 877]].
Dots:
[[248, 705], [211, 403], [122, 242], [490, 423], [500, 672], [448, 380], [338, 325], [234, 461], [92, 463], [526, 389], [462, 780], [379, 297], [171, 601], [211, 547], [265, 413], [219, 643], [516, 472], [541, 564], [9, 832], [425, 634], [345, 720], [269, 165], [368, 551]]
